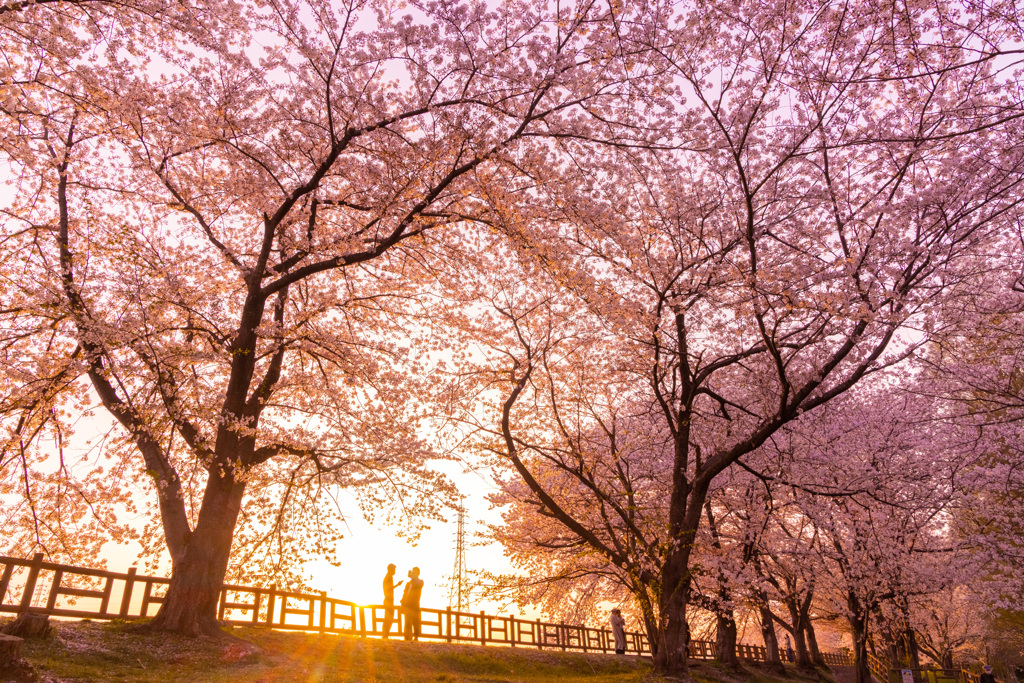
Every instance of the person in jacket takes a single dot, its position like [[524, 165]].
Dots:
[[619, 631], [411, 604], [389, 599]]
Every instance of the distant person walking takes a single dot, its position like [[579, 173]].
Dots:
[[789, 650], [389, 599], [619, 631], [986, 676], [411, 604]]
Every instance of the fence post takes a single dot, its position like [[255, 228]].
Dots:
[[448, 623], [5, 581], [362, 620], [512, 629], [540, 635], [323, 611], [222, 600], [257, 594], [147, 588], [126, 597], [30, 583], [270, 603], [108, 586], [51, 602], [483, 628]]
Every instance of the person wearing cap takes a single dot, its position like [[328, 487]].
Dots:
[[619, 631], [389, 599], [986, 676], [411, 604]]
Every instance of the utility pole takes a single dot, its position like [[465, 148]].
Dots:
[[458, 590]]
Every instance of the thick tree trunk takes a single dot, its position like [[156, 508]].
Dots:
[[858, 629], [895, 654], [771, 641], [812, 644], [649, 617], [190, 605], [674, 632], [673, 645], [803, 659], [862, 673], [908, 648], [725, 622], [725, 640], [685, 508]]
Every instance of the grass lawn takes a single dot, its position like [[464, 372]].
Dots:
[[101, 651]]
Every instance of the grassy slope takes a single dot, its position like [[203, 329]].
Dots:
[[94, 651]]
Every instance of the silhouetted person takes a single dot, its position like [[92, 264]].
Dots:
[[986, 676], [389, 599], [619, 631], [411, 604], [789, 650]]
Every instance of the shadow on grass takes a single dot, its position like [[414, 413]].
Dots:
[[113, 651]]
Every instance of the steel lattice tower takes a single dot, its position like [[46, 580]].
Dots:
[[458, 590]]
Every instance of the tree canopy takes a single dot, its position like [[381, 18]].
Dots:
[[703, 280]]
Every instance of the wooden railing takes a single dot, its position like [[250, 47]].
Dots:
[[879, 669], [837, 658], [883, 672], [68, 591], [830, 658]]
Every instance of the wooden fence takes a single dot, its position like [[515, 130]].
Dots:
[[68, 591], [883, 672], [879, 669]]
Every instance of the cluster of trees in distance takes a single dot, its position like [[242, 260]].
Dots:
[[727, 296]]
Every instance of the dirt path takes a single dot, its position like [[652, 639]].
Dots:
[[844, 674]]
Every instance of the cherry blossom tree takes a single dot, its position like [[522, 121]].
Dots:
[[835, 174], [945, 621], [892, 541], [228, 241], [69, 505], [975, 367], [66, 504], [780, 557]]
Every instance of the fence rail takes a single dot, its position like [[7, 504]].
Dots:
[[63, 590], [879, 669]]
